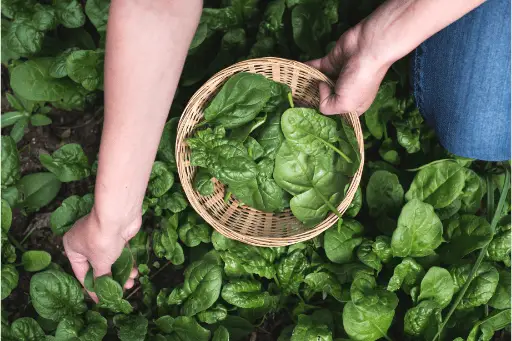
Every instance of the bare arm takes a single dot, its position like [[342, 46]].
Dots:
[[364, 53], [147, 43]]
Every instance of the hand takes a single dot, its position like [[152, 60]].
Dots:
[[358, 70], [91, 241]]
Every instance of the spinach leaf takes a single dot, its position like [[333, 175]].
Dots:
[[203, 182], [131, 328], [308, 329], [10, 162], [270, 136], [370, 312], [68, 163], [85, 67], [165, 241], [200, 289], [422, 319], [160, 180], [366, 255], [437, 285], [9, 277], [35, 260], [26, 329], [221, 334], [93, 328], [291, 272], [381, 110], [406, 275], [497, 320], [97, 12], [310, 132], [167, 145], [473, 192], [110, 295], [419, 231], [324, 283], [244, 293], [501, 297], [316, 187], [55, 295], [340, 242], [213, 315], [384, 194], [71, 209], [466, 233], [438, 184], [239, 101], [481, 289]]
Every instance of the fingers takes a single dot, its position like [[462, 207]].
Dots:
[[129, 283], [324, 65], [329, 100]]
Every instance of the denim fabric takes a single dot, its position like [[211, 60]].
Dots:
[[461, 79]]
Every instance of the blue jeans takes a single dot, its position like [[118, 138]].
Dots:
[[461, 79]]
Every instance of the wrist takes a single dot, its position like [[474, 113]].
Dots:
[[113, 221]]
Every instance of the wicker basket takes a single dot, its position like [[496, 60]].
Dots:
[[244, 223]]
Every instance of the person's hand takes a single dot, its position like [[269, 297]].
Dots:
[[358, 70], [91, 241]]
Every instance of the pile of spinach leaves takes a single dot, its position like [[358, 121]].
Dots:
[[423, 252], [271, 155]]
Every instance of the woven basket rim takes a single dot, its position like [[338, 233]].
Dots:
[[213, 84]]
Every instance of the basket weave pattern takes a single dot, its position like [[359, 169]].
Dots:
[[240, 222]]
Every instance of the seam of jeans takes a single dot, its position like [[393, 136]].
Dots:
[[418, 75]]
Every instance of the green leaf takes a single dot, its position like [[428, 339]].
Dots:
[[174, 200], [9, 278], [473, 192], [167, 144], [291, 272], [356, 204], [161, 179], [213, 315], [499, 248], [71, 209], [34, 261], [86, 68], [18, 130], [419, 231], [38, 190], [316, 187], [55, 294], [187, 329], [203, 182], [123, 266], [200, 289], [438, 184], [58, 67], [10, 162], [270, 136], [131, 328], [192, 234], [10, 118], [501, 297], [382, 248], [32, 81], [70, 13], [97, 11], [381, 110], [384, 194], [244, 293], [239, 101], [238, 327], [110, 295], [466, 233], [407, 274], [308, 329], [496, 321], [423, 319], [68, 163], [39, 120], [325, 283], [437, 285], [310, 132], [369, 314], [165, 242], [94, 328], [6, 216], [221, 334], [340, 242], [481, 289], [165, 323], [366, 255], [26, 329]]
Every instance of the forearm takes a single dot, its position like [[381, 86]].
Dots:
[[147, 43], [398, 26]]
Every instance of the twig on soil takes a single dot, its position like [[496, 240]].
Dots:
[[15, 242]]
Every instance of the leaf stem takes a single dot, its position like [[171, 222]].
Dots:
[[481, 255], [428, 164], [26, 236], [290, 100], [15, 242], [330, 145]]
